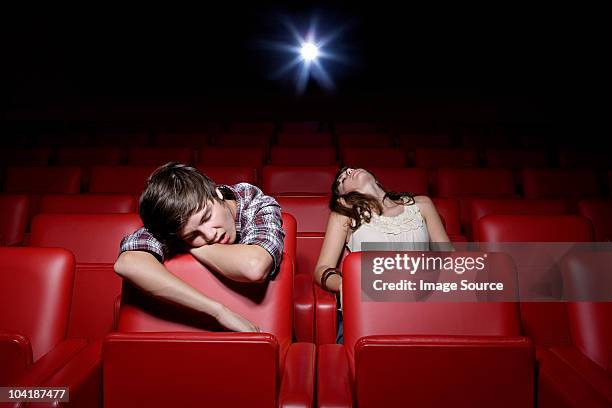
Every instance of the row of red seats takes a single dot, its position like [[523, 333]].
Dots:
[[63, 346], [463, 184], [446, 182], [312, 155], [382, 340]]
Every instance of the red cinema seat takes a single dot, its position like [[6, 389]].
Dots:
[[13, 218], [228, 156], [158, 156], [88, 156], [546, 323], [599, 212], [35, 293], [304, 139], [516, 158], [412, 141], [94, 239], [230, 174], [581, 159], [301, 127], [185, 358], [242, 140], [373, 157], [491, 139], [303, 156], [122, 139], [119, 179], [385, 341], [192, 140], [252, 127], [483, 207], [298, 180], [434, 158], [25, 156], [311, 213], [570, 185], [448, 209], [586, 277], [88, 204], [71, 138], [535, 228], [411, 180], [356, 127], [365, 140], [36, 181], [467, 184]]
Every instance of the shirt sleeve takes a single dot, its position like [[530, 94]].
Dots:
[[266, 230], [143, 240]]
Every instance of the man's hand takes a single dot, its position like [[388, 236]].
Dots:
[[234, 321]]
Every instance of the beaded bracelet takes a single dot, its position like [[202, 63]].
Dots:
[[326, 274]]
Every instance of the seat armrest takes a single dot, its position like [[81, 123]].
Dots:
[[588, 370], [303, 308], [50, 363], [297, 385], [325, 316], [333, 377]]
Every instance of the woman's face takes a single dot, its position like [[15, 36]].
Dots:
[[354, 180]]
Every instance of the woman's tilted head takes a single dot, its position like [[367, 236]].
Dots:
[[357, 194]]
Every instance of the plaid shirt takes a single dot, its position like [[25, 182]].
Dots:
[[258, 222]]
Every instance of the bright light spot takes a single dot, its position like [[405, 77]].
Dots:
[[309, 51]]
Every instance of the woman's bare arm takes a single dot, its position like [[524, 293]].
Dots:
[[436, 230], [333, 245]]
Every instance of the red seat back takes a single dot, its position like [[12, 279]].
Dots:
[[559, 183], [482, 207], [545, 322], [310, 212], [475, 183], [516, 158], [260, 140], [121, 139], [599, 212], [13, 218], [88, 156], [228, 156], [303, 156], [305, 139], [365, 140], [367, 157], [433, 158], [119, 179], [35, 294], [230, 174], [158, 156], [294, 180], [94, 240], [195, 140], [418, 318], [410, 180], [88, 203]]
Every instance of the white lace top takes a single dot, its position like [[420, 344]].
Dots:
[[408, 227]]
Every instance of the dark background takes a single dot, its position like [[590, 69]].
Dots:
[[512, 63]]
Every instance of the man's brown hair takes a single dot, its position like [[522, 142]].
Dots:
[[173, 193]]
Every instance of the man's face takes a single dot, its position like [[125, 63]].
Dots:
[[214, 224]]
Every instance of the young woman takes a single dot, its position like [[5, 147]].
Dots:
[[363, 211]]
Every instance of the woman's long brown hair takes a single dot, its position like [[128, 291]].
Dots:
[[359, 207]]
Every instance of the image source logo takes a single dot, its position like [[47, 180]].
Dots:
[[475, 272]]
